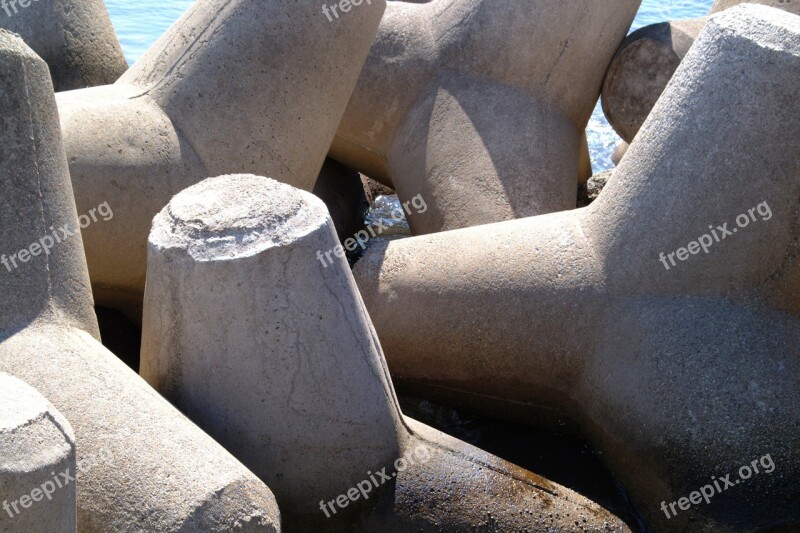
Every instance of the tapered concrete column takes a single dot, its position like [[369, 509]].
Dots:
[[74, 37], [646, 61], [256, 330], [480, 106], [42, 268], [240, 246], [37, 462], [232, 86], [679, 363], [141, 465]]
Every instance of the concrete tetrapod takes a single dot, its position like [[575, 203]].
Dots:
[[646, 61], [480, 105], [676, 375], [37, 462], [74, 37], [232, 86], [274, 355], [152, 469]]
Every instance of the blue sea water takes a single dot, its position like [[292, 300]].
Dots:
[[602, 138], [139, 23]]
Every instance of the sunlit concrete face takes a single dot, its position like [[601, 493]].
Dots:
[[74, 37], [37, 462], [481, 106], [145, 466], [678, 372], [274, 355], [231, 87]]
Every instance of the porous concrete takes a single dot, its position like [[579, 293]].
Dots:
[[792, 6], [676, 375], [151, 468], [74, 37], [480, 106], [36, 202], [287, 374], [37, 462], [272, 353], [232, 86], [646, 61]]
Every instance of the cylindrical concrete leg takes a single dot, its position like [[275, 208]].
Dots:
[[173, 120], [37, 462], [722, 154], [43, 272], [543, 282], [261, 339], [142, 465], [74, 37], [244, 275], [646, 61], [289, 72], [640, 71], [508, 143], [709, 149]]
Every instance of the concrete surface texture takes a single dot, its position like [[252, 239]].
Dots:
[[145, 466], [676, 372], [264, 95], [646, 61], [480, 106], [74, 37], [37, 462], [273, 353]]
